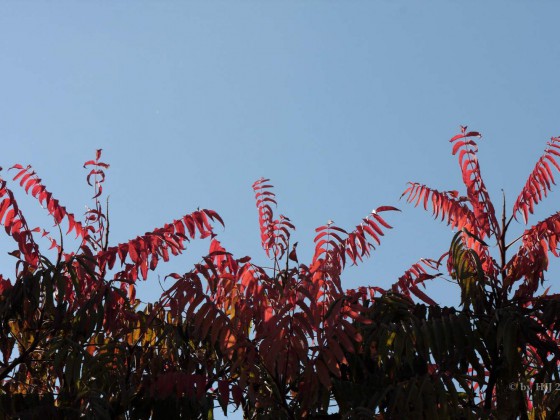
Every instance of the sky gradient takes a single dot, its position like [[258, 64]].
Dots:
[[339, 103]]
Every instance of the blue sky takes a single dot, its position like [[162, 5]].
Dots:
[[339, 103]]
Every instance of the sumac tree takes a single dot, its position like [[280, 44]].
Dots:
[[285, 341], [503, 343]]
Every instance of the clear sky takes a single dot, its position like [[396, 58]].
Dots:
[[340, 103]]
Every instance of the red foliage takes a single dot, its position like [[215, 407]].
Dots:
[[252, 336], [31, 183], [416, 275], [540, 180], [486, 282], [482, 207], [275, 233]]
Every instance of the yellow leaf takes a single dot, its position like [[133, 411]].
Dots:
[[391, 339]]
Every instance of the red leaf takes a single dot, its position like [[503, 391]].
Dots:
[[213, 215], [386, 208], [132, 251], [4, 206], [331, 362], [323, 373], [189, 223], [9, 217], [337, 350], [421, 295], [237, 394], [381, 221], [144, 268], [223, 390]]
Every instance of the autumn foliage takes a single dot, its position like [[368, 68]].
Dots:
[[285, 341]]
